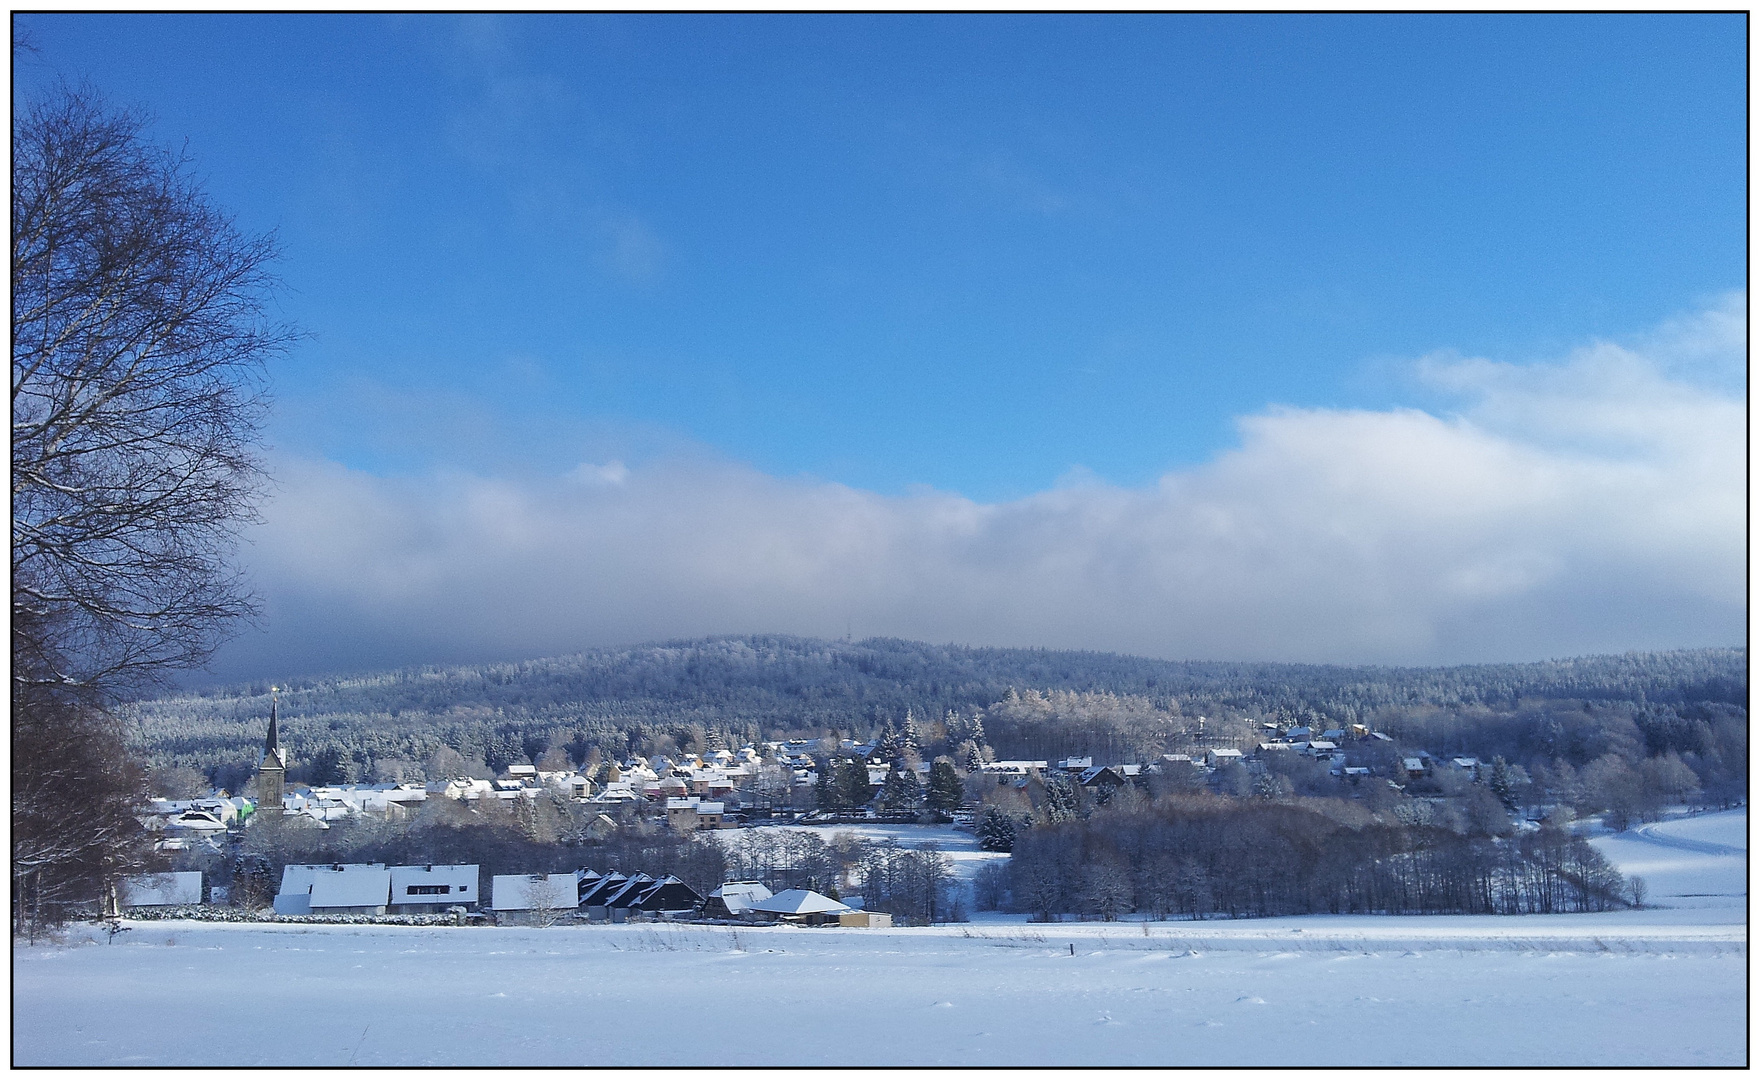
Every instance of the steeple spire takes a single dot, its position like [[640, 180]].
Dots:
[[272, 745]]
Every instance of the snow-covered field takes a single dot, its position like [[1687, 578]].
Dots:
[[1659, 987]]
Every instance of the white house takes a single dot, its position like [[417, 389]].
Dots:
[[736, 898], [1217, 756], [317, 889], [530, 895], [801, 905], [337, 892], [417, 889]]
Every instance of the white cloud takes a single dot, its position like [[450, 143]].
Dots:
[[1595, 504]]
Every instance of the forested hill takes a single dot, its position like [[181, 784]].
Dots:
[[763, 686], [811, 681]]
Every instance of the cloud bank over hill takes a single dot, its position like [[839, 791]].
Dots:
[[1590, 504]]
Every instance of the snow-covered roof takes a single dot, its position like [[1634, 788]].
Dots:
[[710, 807], [523, 892], [298, 877], [799, 902], [739, 896], [461, 878], [350, 888]]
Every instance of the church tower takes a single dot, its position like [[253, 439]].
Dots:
[[272, 768]]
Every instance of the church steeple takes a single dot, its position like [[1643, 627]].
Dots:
[[272, 745], [272, 768]]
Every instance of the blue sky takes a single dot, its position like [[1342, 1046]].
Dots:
[[982, 258]]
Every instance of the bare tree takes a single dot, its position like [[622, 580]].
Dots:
[[543, 897], [139, 331]]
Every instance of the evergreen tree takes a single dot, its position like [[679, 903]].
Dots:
[[1060, 800], [995, 830], [901, 791], [886, 747], [852, 784], [945, 790], [825, 788], [1502, 783], [908, 743]]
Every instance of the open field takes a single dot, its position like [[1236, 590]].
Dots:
[[1665, 986]]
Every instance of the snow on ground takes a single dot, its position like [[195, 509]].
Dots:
[[1341, 992], [1664, 986], [1698, 861]]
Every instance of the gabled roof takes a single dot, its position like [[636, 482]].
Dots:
[[350, 888], [799, 902], [669, 894], [630, 892], [596, 893], [456, 875], [519, 892], [739, 896]]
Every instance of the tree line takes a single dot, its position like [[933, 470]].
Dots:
[[1203, 856]]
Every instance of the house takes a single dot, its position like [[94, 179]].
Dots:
[[1216, 757], [1320, 748], [1101, 776], [668, 896], [1335, 735], [396, 801], [419, 889], [592, 896], [617, 792], [735, 899], [802, 906], [352, 891], [161, 890], [1006, 770], [298, 880], [527, 898], [1075, 764], [689, 814], [373, 888], [572, 785], [1466, 765], [1413, 766], [615, 900], [196, 821], [464, 787]]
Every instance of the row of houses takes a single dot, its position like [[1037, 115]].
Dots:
[[515, 899]]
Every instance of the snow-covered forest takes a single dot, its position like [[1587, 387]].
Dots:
[[1034, 703]]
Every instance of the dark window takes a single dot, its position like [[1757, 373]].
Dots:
[[430, 890]]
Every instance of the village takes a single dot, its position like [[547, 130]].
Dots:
[[788, 783]]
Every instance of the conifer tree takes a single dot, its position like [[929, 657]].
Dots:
[[995, 830], [945, 790]]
